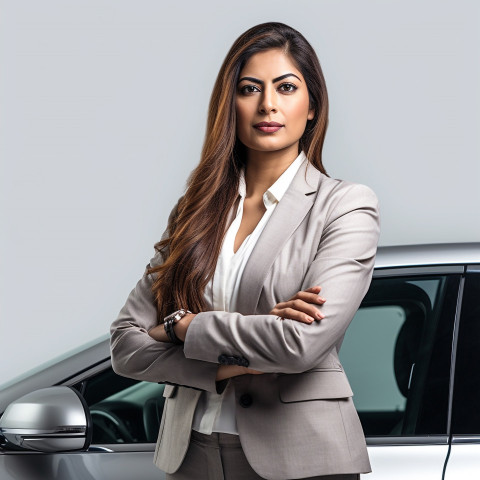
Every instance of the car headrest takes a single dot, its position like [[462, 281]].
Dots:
[[417, 307]]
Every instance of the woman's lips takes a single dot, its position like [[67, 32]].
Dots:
[[268, 127]]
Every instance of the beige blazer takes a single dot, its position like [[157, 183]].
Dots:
[[298, 419]]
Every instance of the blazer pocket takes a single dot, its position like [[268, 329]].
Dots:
[[170, 390], [318, 384]]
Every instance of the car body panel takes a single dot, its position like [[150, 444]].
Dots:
[[80, 466], [464, 460], [398, 462]]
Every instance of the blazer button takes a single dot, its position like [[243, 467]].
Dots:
[[243, 362], [246, 400]]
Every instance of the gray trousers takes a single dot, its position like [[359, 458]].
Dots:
[[220, 456]]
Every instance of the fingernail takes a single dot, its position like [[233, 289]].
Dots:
[[322, 299], [319, 315]]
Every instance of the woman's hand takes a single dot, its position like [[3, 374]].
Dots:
[[301, 307], [229, 371]]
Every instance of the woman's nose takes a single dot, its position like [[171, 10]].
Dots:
[[268, 103]]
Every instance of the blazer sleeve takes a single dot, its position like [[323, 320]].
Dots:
[[137, 355], [343, 266]]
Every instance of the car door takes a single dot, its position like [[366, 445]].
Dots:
[[464, 459], [397, 356], [126, 417]]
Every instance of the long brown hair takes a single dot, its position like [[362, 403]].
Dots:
[[196, 229]]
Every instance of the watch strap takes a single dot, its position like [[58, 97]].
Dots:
[[170, 321]]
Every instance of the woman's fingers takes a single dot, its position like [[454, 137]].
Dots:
[[309, 298], [297, 310], [310, 293], [315, 289], [302, 306], [292, 314], [251, 371]]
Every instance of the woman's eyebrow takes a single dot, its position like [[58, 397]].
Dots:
[[261, 82], [281, 77]]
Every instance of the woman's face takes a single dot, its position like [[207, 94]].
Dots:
[[271, 103]]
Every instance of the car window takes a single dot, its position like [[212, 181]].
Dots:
[[396, 354], [466, 399], [123, 410]]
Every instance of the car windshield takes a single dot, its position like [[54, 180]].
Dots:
[[54, 361]]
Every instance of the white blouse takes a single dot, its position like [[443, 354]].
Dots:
[[214, 412]]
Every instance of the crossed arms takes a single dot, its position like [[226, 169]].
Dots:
[[343, 266]]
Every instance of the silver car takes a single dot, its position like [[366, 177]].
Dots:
[[412, 355]]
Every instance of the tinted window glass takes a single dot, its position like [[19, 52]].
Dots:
[[396, 354], [466, 400], [123, 410]]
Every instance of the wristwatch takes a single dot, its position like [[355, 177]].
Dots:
[[170, 320]]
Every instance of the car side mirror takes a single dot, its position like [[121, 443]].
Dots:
[[52, 419]]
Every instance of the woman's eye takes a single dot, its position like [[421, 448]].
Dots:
[[287, 87], [249, 89]]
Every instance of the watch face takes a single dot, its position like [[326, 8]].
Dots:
[[176, 316]]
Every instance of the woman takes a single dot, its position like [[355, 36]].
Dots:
[[254, 385]]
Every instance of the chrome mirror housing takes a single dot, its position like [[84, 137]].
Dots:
[[52, 419]]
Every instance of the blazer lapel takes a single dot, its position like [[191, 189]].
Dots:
[[287, 216]]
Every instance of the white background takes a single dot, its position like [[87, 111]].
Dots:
[[103, 106]]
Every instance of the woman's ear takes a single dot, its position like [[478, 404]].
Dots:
[[311, 113]]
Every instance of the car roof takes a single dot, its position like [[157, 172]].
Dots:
[[60, 369], [428, 254]]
